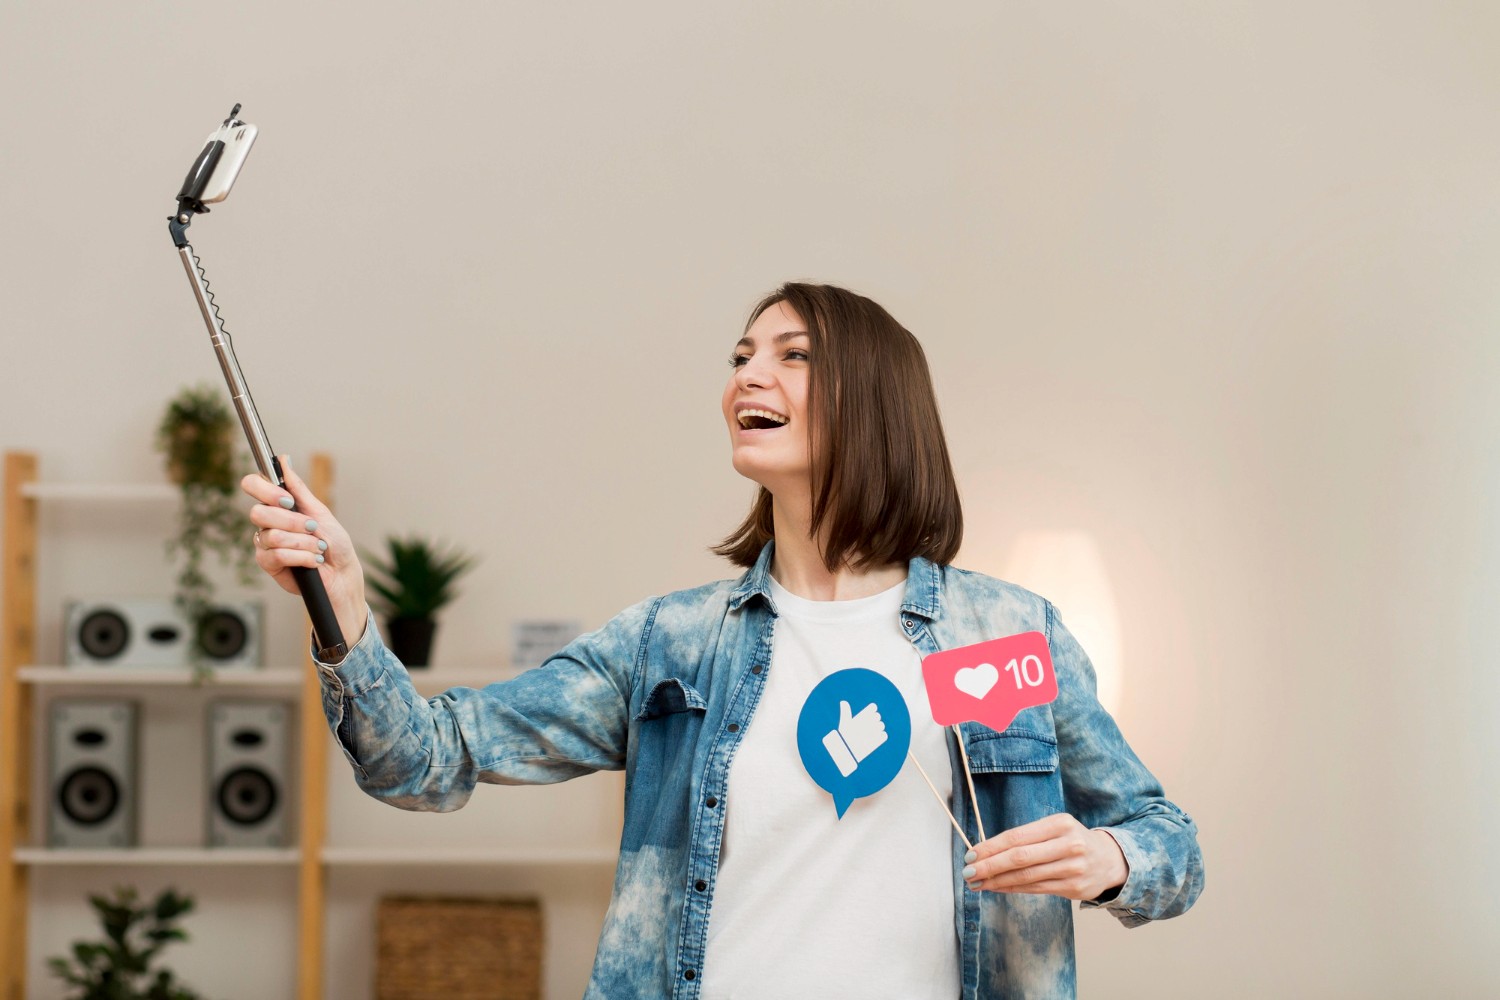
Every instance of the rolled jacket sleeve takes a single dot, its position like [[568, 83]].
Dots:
[[567, 717], [1106, 786]]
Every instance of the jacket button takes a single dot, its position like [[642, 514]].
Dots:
[[754, 670], [908, 623], [700, 885], [710, 802], [690, 974], [733, 727]]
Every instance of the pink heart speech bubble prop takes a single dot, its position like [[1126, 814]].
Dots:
[[990, 682]]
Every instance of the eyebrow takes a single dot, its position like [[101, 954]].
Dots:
[[781, 338]]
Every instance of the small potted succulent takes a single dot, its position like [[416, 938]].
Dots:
[[411, 585], [119, 967]]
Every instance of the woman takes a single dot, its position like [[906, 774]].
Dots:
[[729, 854]]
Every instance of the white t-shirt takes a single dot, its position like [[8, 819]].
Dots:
[[810, 905]]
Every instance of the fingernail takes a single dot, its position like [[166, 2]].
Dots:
[[967, 873], [287, 502], [322, 545], [312, 525], [971, 856], [320, 558]]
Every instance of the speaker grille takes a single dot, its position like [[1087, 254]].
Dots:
[[104, 634], [89, 796], [222, 634], [247, 795]]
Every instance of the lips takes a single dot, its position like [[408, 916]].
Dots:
[[754, 416]]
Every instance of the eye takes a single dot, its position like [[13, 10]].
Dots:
[[735, 360]]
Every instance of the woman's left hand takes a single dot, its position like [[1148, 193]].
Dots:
[[1056, 856]]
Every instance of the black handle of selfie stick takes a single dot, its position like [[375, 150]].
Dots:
[[331, 646]]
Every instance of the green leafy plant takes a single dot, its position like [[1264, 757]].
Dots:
[[197, 435], [417, 578], [119, 967]]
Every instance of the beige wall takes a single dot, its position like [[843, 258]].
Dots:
[[1216, 282]]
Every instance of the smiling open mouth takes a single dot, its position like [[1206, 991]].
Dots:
[[753, 420]]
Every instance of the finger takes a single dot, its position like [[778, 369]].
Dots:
[[293, 521], [265, 491], [1052, 887], [306, 502], [275, 538], [844, 714], [286, 558], [1066, 869], [1037, 831], [1026, 855]]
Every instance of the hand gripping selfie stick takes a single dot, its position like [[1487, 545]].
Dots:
[[208, 182]]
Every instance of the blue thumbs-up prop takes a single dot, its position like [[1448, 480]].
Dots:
[[853, 734]]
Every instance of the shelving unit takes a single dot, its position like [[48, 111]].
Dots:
[[20, 678], [24, 682]]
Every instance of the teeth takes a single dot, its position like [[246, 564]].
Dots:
[[745, 416]]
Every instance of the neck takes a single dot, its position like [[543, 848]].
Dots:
[[797, 560]]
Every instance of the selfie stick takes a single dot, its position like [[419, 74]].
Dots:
[[209, 181]]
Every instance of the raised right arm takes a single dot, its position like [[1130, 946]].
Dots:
[[562, 719], [567, 717]]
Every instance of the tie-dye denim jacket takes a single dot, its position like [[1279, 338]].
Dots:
[[666, 690]]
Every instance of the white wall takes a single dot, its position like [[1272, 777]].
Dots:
[[1213, 282]]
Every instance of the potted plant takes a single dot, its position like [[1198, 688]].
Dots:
[[197, 437], [411, 585], [119, 967]]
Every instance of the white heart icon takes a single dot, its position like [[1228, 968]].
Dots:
[[977, 681]]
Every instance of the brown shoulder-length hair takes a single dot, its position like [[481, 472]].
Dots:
[[881, 477]]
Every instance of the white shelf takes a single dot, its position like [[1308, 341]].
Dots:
[[373, 856], [129, 492], [343, 856], [185, 856], [276, 677]]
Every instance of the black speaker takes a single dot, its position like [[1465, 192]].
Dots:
[[154, 633], [248, 796], [92, 783]]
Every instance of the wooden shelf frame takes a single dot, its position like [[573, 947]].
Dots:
[[17, 646]]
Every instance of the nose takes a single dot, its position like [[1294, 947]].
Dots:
[[753, 374]]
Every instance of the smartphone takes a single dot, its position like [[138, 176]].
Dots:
[[214, 171]]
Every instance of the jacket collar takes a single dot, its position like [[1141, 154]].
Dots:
[[924, 585]]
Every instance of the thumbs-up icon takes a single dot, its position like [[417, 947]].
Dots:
[[856, 737]]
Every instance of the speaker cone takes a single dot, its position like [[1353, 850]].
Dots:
[[222, 634], [89, 796], [104, 634], [247, 795]]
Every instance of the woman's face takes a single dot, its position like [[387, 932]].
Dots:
[[770, 376]]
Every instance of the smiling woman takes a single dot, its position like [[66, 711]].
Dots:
[[731, 848], [870, 474]]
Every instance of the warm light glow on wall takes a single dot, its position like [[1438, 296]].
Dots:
[[1067, 569]]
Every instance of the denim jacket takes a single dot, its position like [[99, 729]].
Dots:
[[666, 690]]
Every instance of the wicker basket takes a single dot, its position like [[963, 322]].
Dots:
[[458, 949]]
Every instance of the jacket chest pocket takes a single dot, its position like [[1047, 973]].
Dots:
[[1016, 777], [1011, 753], [671, 697]]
